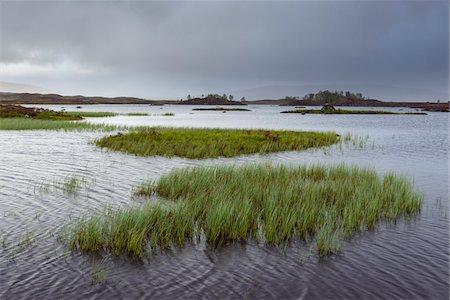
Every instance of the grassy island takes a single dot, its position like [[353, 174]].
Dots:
[[91, 114], [16, 117], [271, 204], [100, 114], [222, 109], [17, 111], [37, 124], [210, 143]]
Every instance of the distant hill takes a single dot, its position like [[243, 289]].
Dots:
[[28, 98], [11, 87]]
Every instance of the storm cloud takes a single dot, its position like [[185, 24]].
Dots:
[[394, 50]]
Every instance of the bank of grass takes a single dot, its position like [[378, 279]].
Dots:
[[37, 124], [270, 204], [99, 114], [222, 109], [348, 112], [137, 114], [168, 114], [211, 143], [91, 114]]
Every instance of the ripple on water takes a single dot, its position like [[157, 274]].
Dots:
[[405, 260]]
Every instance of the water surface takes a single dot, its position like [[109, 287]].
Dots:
[[409, 259]]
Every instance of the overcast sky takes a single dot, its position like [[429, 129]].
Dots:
[[393, 50]]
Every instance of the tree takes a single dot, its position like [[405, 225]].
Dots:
[[203, 95], [231, 97], [189, 97], [224, 96], [243, 99]]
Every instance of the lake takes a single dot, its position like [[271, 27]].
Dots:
[[408, 259]]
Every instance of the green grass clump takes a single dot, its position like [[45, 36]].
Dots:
[[18, 111], [209, 143], [271, 204], [223, 109], [91, 114], [71, 184], [36, 124], [348, 112], [99, 273], [168, 114]]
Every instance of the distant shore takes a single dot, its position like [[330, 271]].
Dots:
[[27, 98]]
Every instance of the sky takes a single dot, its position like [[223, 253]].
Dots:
[[389, 50]]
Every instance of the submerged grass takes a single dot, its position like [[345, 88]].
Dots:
[[99, 272], [272, 204], [210, 143], [69, 184]]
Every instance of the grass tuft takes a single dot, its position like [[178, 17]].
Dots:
[[36, 124], [269, 203]]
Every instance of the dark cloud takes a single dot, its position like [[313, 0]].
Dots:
[[169, 49]]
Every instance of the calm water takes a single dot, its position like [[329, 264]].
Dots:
[[409, 259]]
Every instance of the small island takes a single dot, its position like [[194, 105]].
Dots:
[[330, 110], [222, 109], [211, 99]]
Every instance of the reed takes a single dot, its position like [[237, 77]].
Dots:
[[210, 143], [272, 204]]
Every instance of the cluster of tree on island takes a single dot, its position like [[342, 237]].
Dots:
[[330, 96], [319, 96], [215, 96]]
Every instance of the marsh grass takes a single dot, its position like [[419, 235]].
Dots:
[[271, 204], [91, 114], [136, 114], [70, 185], [168, 114], [99, 114], [26, 241], [211, 143], [99, 272], [36, 124]]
